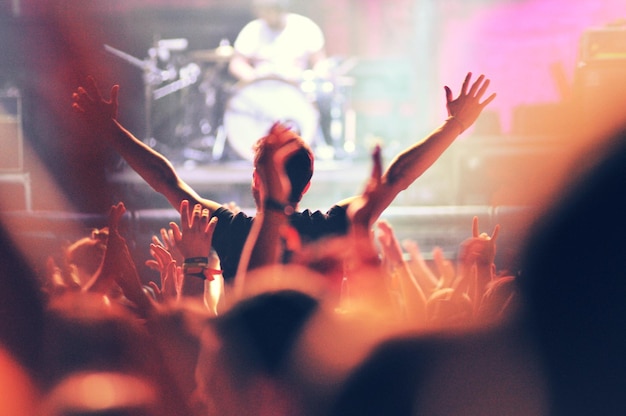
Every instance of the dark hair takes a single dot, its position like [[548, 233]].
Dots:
[[299, 168]]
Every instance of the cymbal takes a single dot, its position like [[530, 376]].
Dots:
[[219, 54]]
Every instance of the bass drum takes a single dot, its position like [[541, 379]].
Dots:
[[255, 106]]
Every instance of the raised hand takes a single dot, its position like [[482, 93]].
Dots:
[[193, 238], [361, 215], [165, 264], [445, 268], [168, 243], [362, 210], [111, 266], [118, 267], [125, 273], [389, 244], [89, 102], [476, 253], [466, 108], [279, 145], [420, 269], [481, 247], [272, 190], [407, 285]]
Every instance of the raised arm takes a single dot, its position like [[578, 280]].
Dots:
[[194, 239], [263, 245], [153, 167], [410, 289], [410, 164], [118, 267], [477, 252]]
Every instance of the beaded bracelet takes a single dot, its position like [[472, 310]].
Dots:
[[195, 266], [195, 260], [201, 272]]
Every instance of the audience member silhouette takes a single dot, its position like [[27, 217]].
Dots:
[[21, 306], [242, 368], [574, 288]]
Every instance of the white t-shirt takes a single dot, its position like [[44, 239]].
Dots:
[[282, 53]]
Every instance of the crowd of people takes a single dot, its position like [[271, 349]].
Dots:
[[311, 313], [293, 312]]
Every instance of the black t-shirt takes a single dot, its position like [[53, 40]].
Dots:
[[232, 230]]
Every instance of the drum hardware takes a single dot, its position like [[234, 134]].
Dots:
[[317, 107], [216, 117], [188, 75], [152, 74], [164, 46], [254, 106], [208, 148], [331, 93], [220, 143], [203, 114], [222, 53], [203, 78]]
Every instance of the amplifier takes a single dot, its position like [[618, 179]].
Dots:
[[603, 43], [11, 140]]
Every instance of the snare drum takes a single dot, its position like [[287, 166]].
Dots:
[[255, 106]]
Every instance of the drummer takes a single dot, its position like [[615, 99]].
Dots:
[[277, 44]]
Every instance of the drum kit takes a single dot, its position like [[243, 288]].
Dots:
[[196, 111]]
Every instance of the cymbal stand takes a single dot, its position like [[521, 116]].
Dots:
[[152, 77]]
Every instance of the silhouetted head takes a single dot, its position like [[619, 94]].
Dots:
[[264, 327], [246, 349], [574, 288], [299, 169]]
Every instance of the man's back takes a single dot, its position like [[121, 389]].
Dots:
[[232, 230]]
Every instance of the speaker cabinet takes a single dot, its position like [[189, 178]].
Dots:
[[600, 88], [513, 172], [603, 43]]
